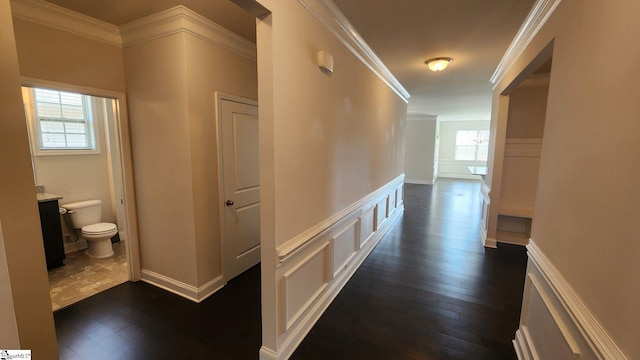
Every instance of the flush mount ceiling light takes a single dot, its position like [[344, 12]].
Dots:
[[439, 63]]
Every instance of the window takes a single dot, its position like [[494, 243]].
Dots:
[[472, 145], [60, 122]]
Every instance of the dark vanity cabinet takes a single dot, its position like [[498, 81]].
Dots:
[[51, 233]]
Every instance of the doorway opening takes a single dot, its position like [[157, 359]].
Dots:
[[522, 149], [78, 154]]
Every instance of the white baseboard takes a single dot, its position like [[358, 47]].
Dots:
[[555, 322], [459, 176], [490, 242], [193, 293], [418, 182]]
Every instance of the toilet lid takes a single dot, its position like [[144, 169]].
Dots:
[[99, 228]]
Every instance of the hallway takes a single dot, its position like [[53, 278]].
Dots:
[[429, 290]]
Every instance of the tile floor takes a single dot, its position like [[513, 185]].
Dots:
[[82, 277]]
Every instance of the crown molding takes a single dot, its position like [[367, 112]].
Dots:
[[57, 17], [329, 15], [181, 19], [537, 17]]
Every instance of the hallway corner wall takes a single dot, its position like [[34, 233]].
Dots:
[[332, 154], [21, 232], [175, 63], [585, 214]]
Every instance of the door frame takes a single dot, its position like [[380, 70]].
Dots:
[[126, 163], [219, 97]]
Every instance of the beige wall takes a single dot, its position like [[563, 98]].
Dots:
[[160, 140], [420, 150], [586, 211], [54, 55], [335, 141], [19, 211], [171, 83], [326, 141], [209, 69], [527, 108]]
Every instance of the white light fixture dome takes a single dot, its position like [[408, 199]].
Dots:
[[439, 63]]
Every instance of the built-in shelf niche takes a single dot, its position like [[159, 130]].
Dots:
[[513, 229]]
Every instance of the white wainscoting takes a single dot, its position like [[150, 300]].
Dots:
[[193, 293], [555, 323], [312, 271]]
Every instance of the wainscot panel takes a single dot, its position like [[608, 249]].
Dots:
[[315, 266], [345, 245], [555, 323], [366, 225]]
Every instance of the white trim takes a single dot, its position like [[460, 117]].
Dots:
[[418, 182], [57, 17], [489, 242], [304, 239], [522, 344], [331, 16], [219, 97], [459, 176], [537, 17], [267, 354], [181, 19], [590, 329], [322, 301], [193, 293], [535, 80], [286, 288]]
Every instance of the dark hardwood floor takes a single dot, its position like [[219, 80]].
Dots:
[[429, 290]]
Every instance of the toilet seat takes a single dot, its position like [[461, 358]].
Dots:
[[100, 229]]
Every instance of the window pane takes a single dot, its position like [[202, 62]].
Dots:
[[43, 95], [53, 141], [465, 153], [75, 128], [483, 152], [76, 141], [70, 99], [483, 135], [466, 137], [45, 109], [72, 112], [49, 126], [64, 120]]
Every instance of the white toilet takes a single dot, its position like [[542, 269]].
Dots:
[[86, 215]]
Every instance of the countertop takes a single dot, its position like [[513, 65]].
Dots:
[[42, 197]]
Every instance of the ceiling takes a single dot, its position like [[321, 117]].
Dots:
[[403, 33]]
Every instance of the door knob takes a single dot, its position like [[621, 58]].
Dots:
[[229, 203]]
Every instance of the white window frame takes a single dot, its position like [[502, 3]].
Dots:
[[478, 141], [93, 115]]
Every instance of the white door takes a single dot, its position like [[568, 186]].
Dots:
[[241, 183]]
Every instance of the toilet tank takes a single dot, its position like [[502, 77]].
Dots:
[[84, 213]]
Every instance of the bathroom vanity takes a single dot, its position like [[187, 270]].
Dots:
[[51, 229]]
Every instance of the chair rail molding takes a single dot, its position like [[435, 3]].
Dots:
[[537, 17], [331, 16], [550, 304]]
